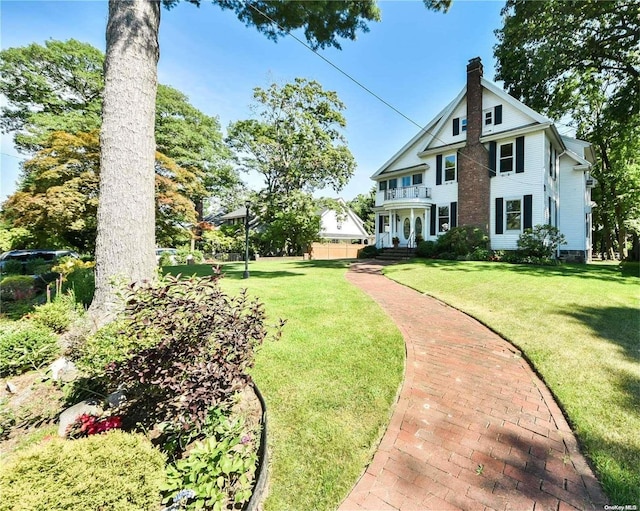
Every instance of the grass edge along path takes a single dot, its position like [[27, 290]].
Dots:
[[579, 325], [330, 382]]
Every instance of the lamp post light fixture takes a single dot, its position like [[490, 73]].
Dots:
[[245, 275]]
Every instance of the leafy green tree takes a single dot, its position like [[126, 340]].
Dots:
[[296, 143], [581, 59], [297, 146], [362, 205], [57, 199]]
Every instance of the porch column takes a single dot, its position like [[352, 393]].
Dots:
[[413, 226], [424, 224]]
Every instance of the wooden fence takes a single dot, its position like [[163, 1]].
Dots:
[[335, 250]]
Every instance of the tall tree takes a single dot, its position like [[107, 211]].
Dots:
[[362, 205], [580, 59], [296, 144], [323, 23]]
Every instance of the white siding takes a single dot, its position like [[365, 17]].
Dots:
[[515, 186], [572, 204], [511, 117], [445, 136]]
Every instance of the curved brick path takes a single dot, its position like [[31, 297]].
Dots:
[[474, 427]]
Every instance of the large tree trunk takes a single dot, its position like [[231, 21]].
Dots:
[[126, 214]]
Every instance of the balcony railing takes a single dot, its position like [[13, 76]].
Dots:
[[408, 192]]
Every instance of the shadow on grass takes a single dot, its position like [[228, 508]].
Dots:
[[620, 325], [613, 273]]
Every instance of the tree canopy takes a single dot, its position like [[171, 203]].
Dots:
[[57, 200], [296, 144], [580, 59]]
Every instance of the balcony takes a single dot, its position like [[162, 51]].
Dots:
[[407, 192]]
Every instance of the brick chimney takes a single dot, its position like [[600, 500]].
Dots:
[[473, 159]]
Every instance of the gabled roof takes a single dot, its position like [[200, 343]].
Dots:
[[360, 231], [428, 129], [436, 124]]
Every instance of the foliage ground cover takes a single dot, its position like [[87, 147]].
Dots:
[[328, 382], [579, 326]]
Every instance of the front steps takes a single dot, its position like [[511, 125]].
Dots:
[[396, 254]]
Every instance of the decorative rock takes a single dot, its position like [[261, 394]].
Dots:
[[63, 370], [70, 415], [116, 398], [11, 388]]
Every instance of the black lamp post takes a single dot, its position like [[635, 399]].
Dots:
[[245, 275]]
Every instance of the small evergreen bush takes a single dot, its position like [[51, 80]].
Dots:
[[115, 471], [83, 284], [13, 267], [37, 266], [57, 314], [25, 345], [462, 241], [183, 254], [368, 252], [426, 249]]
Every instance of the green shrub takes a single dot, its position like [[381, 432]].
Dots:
[[206, 346], [37, 266], [183, 254], [426, 249], [540, 243], [220, 469], [25, 345], [13, 267], [83, 284], [480, 254], [167, 259], [462, 241], [112, 343], [368, 252], [17, 287], [115, 471], [57, 314]]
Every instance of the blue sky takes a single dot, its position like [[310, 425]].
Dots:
[[414, 59]]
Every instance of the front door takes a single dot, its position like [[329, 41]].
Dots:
[[406, 229]]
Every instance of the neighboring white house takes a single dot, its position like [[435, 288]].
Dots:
[[342, 227], [490, 161]]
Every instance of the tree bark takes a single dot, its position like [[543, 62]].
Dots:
[[126, 214]]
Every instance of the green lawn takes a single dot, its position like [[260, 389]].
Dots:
[[579, 326], [329, 382]]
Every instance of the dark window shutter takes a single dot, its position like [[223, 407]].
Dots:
[[453, 215], [519, 154], [439, 169], [497, 115], [456, 126], [432, 220], [380, 223], [528, 211], [499, 215], [492, 159]]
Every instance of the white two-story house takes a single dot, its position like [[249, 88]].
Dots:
[[487, 160]]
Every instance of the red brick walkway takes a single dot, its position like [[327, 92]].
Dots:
[[474, 427]]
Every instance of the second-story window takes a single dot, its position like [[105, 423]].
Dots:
[[450, 167], [406, 181], [393, 183], [463, 124], [506, 157], [382, 186], [417, 179], [488, 117]]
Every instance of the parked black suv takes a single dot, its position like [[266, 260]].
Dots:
[[24, 256]]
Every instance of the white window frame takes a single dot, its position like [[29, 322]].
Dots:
[[463, 124], [520, 212], [487, 117], [455, 168], [442, 228], [505, 158]]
